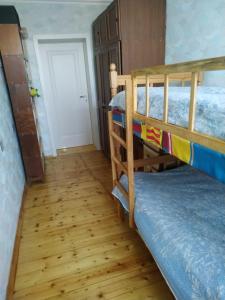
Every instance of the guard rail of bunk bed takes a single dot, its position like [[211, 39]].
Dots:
[[183, 72]]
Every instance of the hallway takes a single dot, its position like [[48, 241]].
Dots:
[[73, 245]]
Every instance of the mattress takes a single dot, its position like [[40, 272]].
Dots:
[[180, 215], [210, 110]]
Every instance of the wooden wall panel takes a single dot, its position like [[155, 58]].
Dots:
[[14, 69], [10, 43], [34, 168], [29, 144], [24, 122], [16, 78], [20, 96]]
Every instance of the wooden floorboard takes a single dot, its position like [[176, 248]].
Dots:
[[73, 246]]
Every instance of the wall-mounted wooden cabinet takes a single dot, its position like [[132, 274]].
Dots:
[[131, 34]]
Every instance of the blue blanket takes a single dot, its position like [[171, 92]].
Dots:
[[210, 110], [180, 215]]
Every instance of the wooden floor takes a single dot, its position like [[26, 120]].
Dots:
[[73, 246]]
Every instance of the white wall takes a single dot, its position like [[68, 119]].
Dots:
[[195, 30], [11, 185], [55, 18]]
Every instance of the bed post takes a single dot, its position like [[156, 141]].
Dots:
[[130, 150], [114, 146], [113, 80], [113, 88], [128, 144]]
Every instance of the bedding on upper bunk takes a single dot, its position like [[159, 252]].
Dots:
[[210, 109], [210, 120], [182, 223]]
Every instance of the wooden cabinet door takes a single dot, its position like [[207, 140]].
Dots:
[[103, 104], [107, 56], [103, 29], [115, 56], [100, 96], [142, 33], [96, 33], [112, 19], [105, 76]]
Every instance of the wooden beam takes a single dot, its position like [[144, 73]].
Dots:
[[138, 163], [112, 148], [122, 190], [120, 164], [134, 98], [117, 123], [130, 150], [153, 161], [192, 107], [121, 79], [210, 64], [147, 96], [193, 136], [166, 95], [159, 78], [119, 139]]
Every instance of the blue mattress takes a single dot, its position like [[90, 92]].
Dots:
[[180, 215], [210, 110]]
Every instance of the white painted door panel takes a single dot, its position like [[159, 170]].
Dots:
[[67, 93]]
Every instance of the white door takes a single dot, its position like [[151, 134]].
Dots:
[[66, 93]]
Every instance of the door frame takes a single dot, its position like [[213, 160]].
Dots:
[[89, 65]]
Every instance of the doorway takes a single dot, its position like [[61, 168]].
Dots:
[[65, 84]]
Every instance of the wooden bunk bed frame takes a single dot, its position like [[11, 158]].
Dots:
[[183, 72]]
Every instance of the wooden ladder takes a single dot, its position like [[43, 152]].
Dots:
[[118, 166]]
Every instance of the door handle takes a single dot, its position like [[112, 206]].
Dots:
[[83, 97]]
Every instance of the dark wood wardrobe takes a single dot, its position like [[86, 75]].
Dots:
[[14, 66], [131, 34]]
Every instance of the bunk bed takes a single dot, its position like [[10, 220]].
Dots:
[[178, 213]]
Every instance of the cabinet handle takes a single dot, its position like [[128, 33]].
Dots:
[[106, 107]]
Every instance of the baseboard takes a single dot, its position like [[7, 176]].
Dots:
[[14, 261]]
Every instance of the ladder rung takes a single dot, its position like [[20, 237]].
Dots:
[[122, 189], [152, 161], [117, 123], [122, 166], [118, 138]]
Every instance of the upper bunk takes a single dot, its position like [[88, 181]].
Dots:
[[171, 110], [210, 107]]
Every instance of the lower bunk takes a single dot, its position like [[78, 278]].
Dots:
[[182, 223]]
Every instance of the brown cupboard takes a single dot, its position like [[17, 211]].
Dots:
[[14, 67], [131, 34]]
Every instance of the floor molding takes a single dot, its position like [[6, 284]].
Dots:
[[14, 261]]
